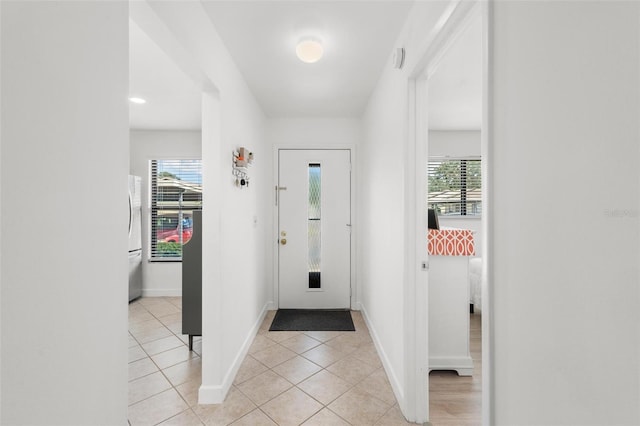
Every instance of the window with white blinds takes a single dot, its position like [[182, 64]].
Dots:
[[176, 191], [455, 186]]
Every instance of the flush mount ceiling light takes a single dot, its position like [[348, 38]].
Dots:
[[137, 100], [309, 50]]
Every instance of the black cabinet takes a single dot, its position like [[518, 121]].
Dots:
[[192, 282]]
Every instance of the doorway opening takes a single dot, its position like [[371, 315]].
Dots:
[[451, 130]]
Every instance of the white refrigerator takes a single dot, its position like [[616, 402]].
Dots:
[[135, 238]]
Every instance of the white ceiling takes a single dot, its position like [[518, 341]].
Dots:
[[173, 100], [358, 37]]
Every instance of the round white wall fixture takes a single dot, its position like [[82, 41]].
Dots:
[[309, 50]]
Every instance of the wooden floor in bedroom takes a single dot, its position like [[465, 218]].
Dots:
[[456, 400]]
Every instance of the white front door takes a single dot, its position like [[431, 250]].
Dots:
[[314, 235]]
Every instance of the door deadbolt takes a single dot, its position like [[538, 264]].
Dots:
[[283, 241]]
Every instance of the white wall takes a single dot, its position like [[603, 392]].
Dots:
[[454, 143], [310, 133], [1, 180], [565, 231], [381, 218], [457, 144], [159, 278], [64, 201], [313, 132], [235, 281], [1, 223], [383, 207]]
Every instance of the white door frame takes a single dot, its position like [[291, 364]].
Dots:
[[416, 295], [355, 285]]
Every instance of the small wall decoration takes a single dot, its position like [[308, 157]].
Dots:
[[242, 159]]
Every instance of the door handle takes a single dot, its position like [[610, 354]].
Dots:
[[283, 241], [279, 188]]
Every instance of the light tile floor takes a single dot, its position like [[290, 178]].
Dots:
[[319, 378], [288, 378]]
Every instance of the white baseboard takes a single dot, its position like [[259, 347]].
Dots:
[[215, 394], [208, 394], [391, 374], [171, 292]]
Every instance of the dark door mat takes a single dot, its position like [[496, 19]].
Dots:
[[312, 320]]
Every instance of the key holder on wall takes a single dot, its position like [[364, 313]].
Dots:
[[242, 158]]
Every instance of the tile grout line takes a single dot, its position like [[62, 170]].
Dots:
[[295, 385], [354, 348], [161, 370]]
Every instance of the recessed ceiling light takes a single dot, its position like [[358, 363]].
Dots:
[[137, 100], [309, 50]]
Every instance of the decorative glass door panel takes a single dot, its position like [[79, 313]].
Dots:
[[315, 224]]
